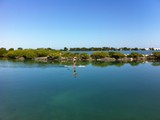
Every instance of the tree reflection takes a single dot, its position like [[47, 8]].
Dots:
[[33, 64], [106, 64], [156, 63], [134, 63]]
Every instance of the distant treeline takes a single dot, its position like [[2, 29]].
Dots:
[[89, 49], [105, 49]]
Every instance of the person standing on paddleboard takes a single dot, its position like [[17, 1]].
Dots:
[[74, 60]]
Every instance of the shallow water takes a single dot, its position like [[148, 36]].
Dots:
[[98, 91]]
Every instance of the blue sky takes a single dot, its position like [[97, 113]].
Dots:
[[79, 23]]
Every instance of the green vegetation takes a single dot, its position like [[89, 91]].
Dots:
[[20, 48], [41, 52], [99, 55], [105, 49], [11, 49], [135, 55], [84, 56], [54, 56], [116, 55], [156, 54], [3, 51], [28, 54], [67, 55], [65, 49], [13, 54], [57, 55]]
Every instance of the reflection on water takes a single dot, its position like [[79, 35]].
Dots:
[[74, 71], [32, 64], [156, 63], [101, 91]]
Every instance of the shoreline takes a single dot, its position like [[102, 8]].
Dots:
[[44, 55], [106, 59]]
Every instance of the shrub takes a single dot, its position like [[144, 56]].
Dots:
[[135, 55], [29, 54], [54, 55], [84, 56], [3, 51], [20, 48], [11, 54], [116, 55], [156, 54], [99, 55], [68, 54], [11, 49], [42, 52]]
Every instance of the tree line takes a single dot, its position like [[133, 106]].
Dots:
[[105, 49], [52, 54]]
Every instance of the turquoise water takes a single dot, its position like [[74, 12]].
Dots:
[[98, 91]]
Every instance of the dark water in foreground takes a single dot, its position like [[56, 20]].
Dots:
[[115, 91]]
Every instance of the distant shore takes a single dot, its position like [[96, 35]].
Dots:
[[46, 54]]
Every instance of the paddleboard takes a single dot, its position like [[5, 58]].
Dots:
[[76, 66]]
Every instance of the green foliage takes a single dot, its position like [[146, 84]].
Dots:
[[3, 51], [84, 56], [41, 52], [54, 55], [116, 55], [20, 48], [68, 54], [49, 48], [124, 48], [77, 55], [29, 54], [15, 54], [11, 54], [135, 49], [105, 49], [99, 55], [65, 49], [135, 55], [11, 49], [19, 53], [156, 54], [151, 48]]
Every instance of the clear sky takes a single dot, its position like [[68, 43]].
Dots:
[[79, 23]]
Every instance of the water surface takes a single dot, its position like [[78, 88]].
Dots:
[[99, 91], [147, 52]]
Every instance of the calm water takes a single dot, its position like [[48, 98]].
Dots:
[[99, 91], [124, 52]]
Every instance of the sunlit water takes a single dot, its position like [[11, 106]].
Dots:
[[115, 91]]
